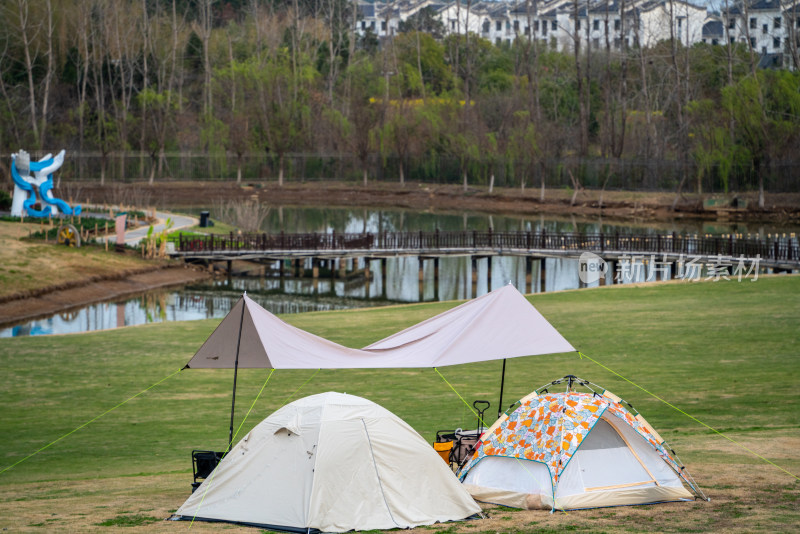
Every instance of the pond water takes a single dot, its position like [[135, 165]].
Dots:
[[406, 280], [292, 219]]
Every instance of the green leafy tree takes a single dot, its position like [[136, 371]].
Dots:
[[357, 127], [462, 136], [766, 111], [421, 65], [235, 109], [522, 147], [712, 147], [279, 86], [405, 131]]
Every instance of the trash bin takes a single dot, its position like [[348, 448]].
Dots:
[[204, 219]]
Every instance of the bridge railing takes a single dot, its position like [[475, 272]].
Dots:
[[777, 248]]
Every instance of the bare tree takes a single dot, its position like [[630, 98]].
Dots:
[[104, 132], [233, 109], [646, 98], [791, 8], [583, 89], [29, 26], [205, 13], [615, 88], [159, 103], [48, 77], [83, 26], [10, 112], [532, 59], [120, 30], [337, 16], [680, 98]]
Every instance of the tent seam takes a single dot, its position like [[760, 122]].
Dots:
[[314, 468], [587, 434], [377, 474]]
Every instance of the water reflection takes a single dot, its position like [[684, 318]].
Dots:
[[361, 220], [184, 304]]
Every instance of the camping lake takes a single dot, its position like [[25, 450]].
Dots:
[[406, 281]]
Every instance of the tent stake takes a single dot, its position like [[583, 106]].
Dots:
[[235, 372], [502, 382]]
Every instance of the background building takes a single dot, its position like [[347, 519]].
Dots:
[[768, 27]]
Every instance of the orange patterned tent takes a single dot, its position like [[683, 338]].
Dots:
[[572, 450]]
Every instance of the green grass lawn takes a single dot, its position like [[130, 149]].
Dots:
[[727, 353]]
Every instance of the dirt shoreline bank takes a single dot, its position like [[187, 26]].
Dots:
[[619, 205], [46, 301]]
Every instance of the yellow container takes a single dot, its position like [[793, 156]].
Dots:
[[443, 449]]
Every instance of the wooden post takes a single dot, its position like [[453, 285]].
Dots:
[[474, 272], [366, 275], [420, 277], [489, 271], [528, 269], [542, 274], [436, 276], [384, 283], [105, 234], [367, 272]]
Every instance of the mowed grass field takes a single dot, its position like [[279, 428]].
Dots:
[[728, 353]]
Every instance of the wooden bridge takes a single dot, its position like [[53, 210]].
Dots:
[[670, 256], [781, 253]]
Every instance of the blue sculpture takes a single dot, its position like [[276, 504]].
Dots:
[[27, 185]]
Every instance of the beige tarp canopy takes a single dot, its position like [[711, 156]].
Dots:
[[500, 324]]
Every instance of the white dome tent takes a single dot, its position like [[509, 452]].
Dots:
[[330, 462]]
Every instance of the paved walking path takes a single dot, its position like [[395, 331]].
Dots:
[[132, 237]]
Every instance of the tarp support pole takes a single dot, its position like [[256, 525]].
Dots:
[[236, 372], [502, 383]]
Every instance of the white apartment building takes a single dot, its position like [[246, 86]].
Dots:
[[767, 25], [383, 18], [657, 16]]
